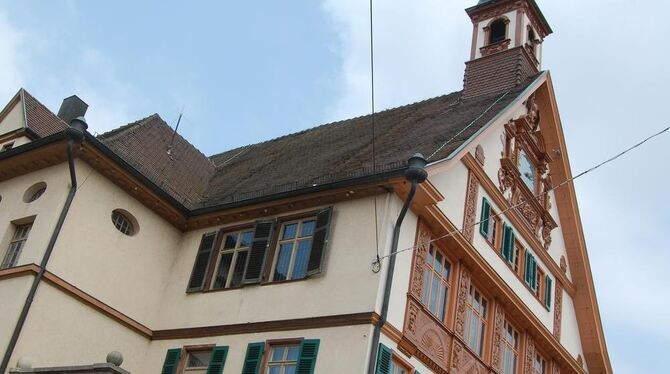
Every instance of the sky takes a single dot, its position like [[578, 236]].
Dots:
[[247, 71]]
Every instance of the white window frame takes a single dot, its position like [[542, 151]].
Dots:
[[16, 245], [512, 347], [284, 360], [294, 251]]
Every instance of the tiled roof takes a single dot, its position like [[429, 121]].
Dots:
[[325, 154], [40, 119]]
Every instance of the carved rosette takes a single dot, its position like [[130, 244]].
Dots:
[[429, 336], [470, 215], [498, 327], [530, 355], [558, 310], [422, 246], [463, 291]]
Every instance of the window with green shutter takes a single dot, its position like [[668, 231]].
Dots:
[[384, 358], [530, 271], [217, 360], [252, 360], [309, 348], [484, 225], [507, 247], [547, 292], [171, 362]]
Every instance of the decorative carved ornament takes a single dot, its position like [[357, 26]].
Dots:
[[564, 264], [557, 369], [432, 341], [530, 355], [558, 310], [479, 154], [490, 49], [464, 362], [580, 360], [470, 214], [463, 291], [523, 134], [422, 247], [498, 332]]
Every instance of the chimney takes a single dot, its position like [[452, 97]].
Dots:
[[72, 107]]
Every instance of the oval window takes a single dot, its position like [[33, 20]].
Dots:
[[34, 192], [124, 222]]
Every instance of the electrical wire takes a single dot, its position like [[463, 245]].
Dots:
[[569, 180], [372, 104]]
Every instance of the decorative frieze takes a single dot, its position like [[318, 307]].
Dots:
[[498, 331], [461, 302], [558, 310], [530, 355], [422, 247], [470, 214]]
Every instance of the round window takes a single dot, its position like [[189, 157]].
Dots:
[[34, 192], [124, 222]]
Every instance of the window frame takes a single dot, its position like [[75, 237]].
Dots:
[[489, 37], [185, 353], [210, 277], [399, 361], [19, 244], [273, 343], [445, 284], [545, 368], [482, 329], [506, 345], [275, 245]]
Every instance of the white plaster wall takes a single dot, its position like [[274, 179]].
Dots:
[[492, 257], [45, 209], [60, 331], [13, 120], [557, 247], [126, 272], [341, 349], [346, 286], [570, 337], [13, 294], [453, 185]]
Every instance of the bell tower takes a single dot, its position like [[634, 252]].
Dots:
[[506, 48]]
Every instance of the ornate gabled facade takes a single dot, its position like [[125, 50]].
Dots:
[[258, 260]]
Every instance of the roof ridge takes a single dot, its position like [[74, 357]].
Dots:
[[127, 126], [39, 103], [334, 123]]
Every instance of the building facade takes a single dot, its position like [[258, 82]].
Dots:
[[274, 257]]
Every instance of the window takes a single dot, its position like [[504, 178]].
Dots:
[[539, 364], [16, 245], [507, 247], [389, 362], [475, 321], [123, 222], [197, 362], [398, 367], [293, 249], [509, 350], [528, 171], [490, 223], [283, 359], [498, 30], [7, 147], [34, 192], [233, 259], [436, 283], [530, 271]]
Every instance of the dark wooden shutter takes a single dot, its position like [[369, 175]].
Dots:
[[484, 221], [217, 360], [320, 241], [201, 264], [307, 359], [547, 291], [384, 357], [252, 360], [527, 267], [258, 252], [508, 244], [171, 361]]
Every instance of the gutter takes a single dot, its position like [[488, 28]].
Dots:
[[415, 174], [75, 135]]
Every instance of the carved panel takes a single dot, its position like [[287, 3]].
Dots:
[[463, 291], [498, 327], [530, 355], [479, 155], [464, 362], [558, 310], [495, 47], [470, 214], [564, 264], [430, 338], [422, 246], [557, 369]]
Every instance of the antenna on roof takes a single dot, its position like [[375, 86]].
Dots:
[[169, 148]]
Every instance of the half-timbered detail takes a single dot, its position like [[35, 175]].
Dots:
[[274, 257]]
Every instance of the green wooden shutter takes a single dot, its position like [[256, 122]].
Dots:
[[533, 272], [252, 360], [258, 252], [507, 246], [201, 264], [384, 357], [316, 255], [527, 267], [171, 361], [547, 291], [307, 359], [217, 360], [484, 221]]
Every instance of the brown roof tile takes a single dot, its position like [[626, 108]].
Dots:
[[40, 119]]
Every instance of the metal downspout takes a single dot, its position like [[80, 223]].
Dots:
[[75, 133], [415, 174]]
